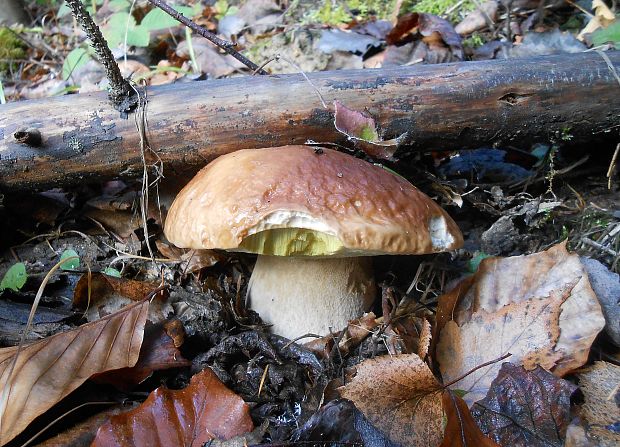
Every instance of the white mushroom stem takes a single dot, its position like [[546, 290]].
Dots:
[[302, 295]]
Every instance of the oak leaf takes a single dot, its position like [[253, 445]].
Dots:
[[48, 370], [203, 411]]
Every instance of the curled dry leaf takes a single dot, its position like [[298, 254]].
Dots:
[[356, 332], [362, 130], [461, 429], [202, 411], [400, 396], [408, 334], [540, 308], [48, 370], [480, 18], [160, 350], [100, 295], [525, 408], [101, 285], [434, 30], [600, 385]]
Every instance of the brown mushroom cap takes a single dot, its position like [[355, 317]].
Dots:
[[369, 209]]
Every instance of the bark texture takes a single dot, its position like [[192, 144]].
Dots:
[[458, 105]]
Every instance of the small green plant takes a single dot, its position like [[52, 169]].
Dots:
[[120, 28], [11, 47], [473, 41], [611, 34], [69, 260], [566, 135], [223, 9], [449, 9], [474, 262], [15, 277], [340, 12], [112, 272]]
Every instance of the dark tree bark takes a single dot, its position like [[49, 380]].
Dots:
[[516, 102]]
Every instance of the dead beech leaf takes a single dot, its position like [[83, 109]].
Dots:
[[461, 429], [159, 351], [48, 370], [527, 330], [400, 396], [202, 411], [600, 385], [540, 308], [525, 408]]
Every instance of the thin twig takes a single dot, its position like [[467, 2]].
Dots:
[[228, 47], [120, 89], [612, 166], [490, 362]]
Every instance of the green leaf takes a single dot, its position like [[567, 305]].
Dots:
[[70, 264], [473, 263], [119, 5], [112, 272], [138, 37], [611, 34], [459, 393], [157, 19], [75, 59], [15, 277], [121, 23]]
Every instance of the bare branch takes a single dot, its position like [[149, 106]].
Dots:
[[228, 47], [120, 90]]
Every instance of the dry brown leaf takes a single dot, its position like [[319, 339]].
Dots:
[[408, 335], [109, 294], [461, 429], [478, 19], [203, 411], [517, 305], [48, 370], [356, 331], [159, 351], [527, 330], [600, 385], [400, 396]]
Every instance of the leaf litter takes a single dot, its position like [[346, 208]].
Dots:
[[540, 308], [36, 376]]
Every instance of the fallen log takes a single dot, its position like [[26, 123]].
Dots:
[[515, 102]]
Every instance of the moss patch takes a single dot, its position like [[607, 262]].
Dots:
[[11, 47]]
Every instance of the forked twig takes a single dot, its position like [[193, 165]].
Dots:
[[490, 362]]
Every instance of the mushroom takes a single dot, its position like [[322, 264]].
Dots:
[[314, 216]]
